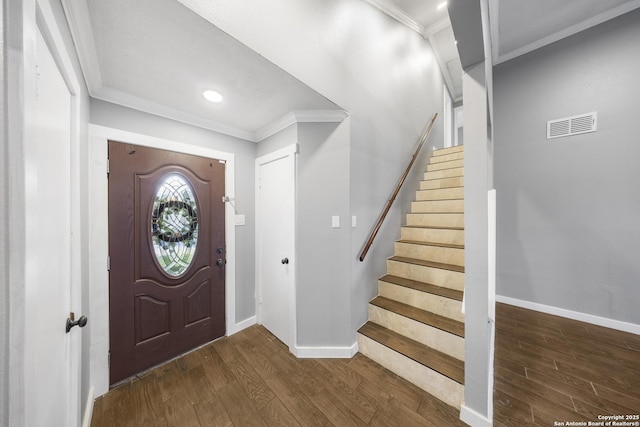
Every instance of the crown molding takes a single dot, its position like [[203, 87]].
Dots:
[[567, 32], [398, 14], [299, 116], [136, 103], [77, 14], [436, 27]]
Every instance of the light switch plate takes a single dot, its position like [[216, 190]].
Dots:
[[335, 222], [239, 219]]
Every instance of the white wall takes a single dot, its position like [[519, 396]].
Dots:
[[477, 172], [385, 76], [569, 234]]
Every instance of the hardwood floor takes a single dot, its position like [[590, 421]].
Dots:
[[551, 369], [548, 369], [251, 379]]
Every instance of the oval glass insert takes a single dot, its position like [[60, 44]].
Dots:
[[174, 225]]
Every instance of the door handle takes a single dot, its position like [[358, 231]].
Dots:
[[285, 260], [221, 261], [82, 321]]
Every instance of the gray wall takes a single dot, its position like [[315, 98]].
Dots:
[[4, 247], [322, 191], [118, 117], [323, 252], [569, 208], [384, 74]]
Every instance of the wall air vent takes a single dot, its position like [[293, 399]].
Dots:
[[573, 125]]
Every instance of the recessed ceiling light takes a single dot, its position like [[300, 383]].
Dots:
[[442, 5], [212, 96]]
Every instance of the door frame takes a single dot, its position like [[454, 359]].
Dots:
[[289, 153], [23, 19], [99, 242]]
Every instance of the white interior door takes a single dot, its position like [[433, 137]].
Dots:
[[48, 348], [275, 176]]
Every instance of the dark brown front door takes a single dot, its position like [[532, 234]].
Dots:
[[166, 248]]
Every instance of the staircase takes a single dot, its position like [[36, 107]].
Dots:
[[416, 325]]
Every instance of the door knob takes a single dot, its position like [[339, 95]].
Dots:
[[221, 261], [82, 321], [285, 260]]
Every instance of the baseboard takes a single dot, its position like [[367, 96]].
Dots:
[[473, 418], [88, 411], [575, 315], [234, 329], [325, 352]]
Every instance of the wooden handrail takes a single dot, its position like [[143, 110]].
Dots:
[[375, 230]]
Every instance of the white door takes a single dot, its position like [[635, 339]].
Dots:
[[48, 348], [275, 272]]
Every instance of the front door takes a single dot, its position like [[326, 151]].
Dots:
[[167, 261]]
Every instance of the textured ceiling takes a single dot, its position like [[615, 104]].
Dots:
[[159, 56]]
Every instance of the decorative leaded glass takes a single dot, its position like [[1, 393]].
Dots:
[[174, 225]]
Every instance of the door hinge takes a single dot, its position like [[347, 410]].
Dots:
[[108, 263], [109, 359], [107, 167]]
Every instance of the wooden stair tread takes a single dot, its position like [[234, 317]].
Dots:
[[443, 266], [425, 243], [431, 319], [446, 150], [445, 188], [423, 287], [448, 177], [436, 213], [434, 227], [426, 356]]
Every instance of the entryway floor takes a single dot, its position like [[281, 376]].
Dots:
[[251, 379]]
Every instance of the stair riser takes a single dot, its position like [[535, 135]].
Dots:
[[440, 340], [442, 183], [449, 150], [446, 173], [454, 237], [454, 206], [430, 253], [447, 157], [445, 165], [421, 273], [431, 381], [440, 194], [434, 303], [435, 220]]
